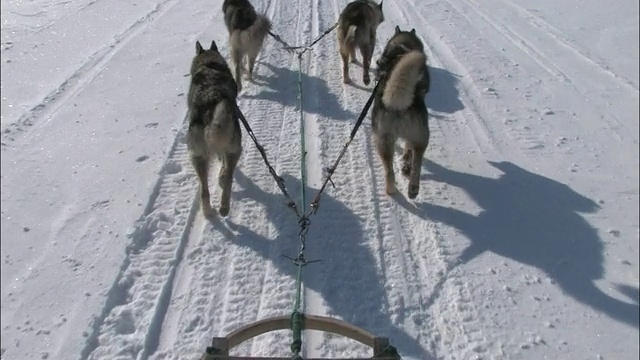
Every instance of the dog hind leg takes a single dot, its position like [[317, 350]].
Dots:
[[225, 180], [251, 61], [384, 145], [237, 57], [201, 165], [367, 53], [417, 151], [344, 54]]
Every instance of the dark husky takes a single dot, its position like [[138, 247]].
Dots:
[[399, 109], [214, 129], [357, 28], [247, 30]]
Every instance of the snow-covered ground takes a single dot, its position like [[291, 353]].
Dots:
[[523, 243]]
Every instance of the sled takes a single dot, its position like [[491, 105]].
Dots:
[[219, 350]]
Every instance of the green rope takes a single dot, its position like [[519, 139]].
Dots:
[[298, 302], [297, 315]]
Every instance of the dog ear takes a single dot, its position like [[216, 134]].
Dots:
[[380, 6], [397, 29], [413, 31], [214, 47], [199, 48]]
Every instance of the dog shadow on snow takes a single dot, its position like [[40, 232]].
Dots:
[[346, 277], [533, 220], [443, 95], [282, 87]]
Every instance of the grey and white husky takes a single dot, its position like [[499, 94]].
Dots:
[[399, 108], [247, 30], [357, 27], [214, 129]]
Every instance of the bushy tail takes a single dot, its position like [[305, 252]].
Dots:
[[351, 34], [400, 88], [261, 26], [253, 35], [222, 114]]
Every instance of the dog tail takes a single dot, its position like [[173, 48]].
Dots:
[[351, 34], [222, 114], [254, 34], [400, 88], [257, 31], [261, 26]]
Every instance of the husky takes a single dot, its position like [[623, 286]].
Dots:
[[357, 27], [399, 109], [214, 128], [247, 30]]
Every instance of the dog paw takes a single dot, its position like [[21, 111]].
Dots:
[[366, 79], [207, 210], [346, 80], [224, 210], [413, 191]]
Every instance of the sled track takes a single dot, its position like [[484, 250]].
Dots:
[[379, 244], [559, 60], [449, 322], [145, 279], [215, 286], [87, 72], [30, 30], [567, 61], [313, 302], [536, 25]]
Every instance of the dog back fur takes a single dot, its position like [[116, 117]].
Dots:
[[357, 27], [399, 108], [402, 71], [214, 127], [359, 20], [238, 14], [212, 93], [247, 31]]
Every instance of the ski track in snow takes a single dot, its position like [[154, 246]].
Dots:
[[87, 72], [557, 58], [145, 282], [242, 304]]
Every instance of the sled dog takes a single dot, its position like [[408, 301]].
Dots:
[[357, 26], [247, 30], [214, 129], [399, 109]]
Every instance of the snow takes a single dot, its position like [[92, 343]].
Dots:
[[523, 243]]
